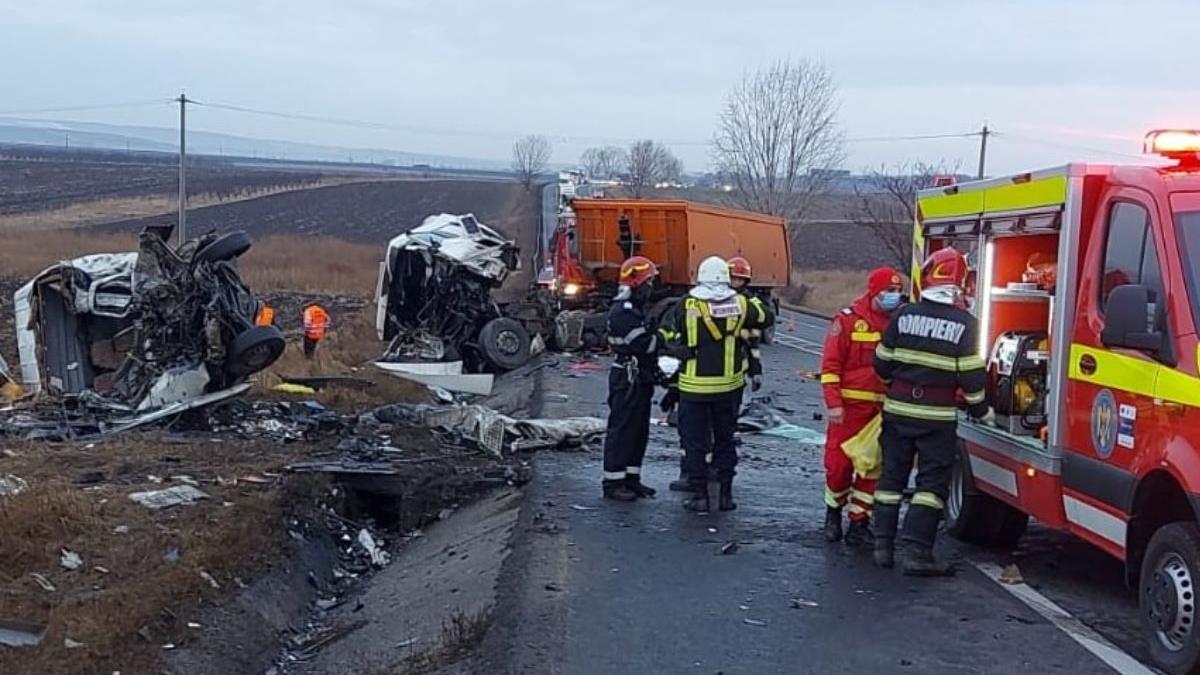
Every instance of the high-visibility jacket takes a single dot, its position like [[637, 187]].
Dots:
[[708, 334], [847, 361], [316, 322], [752, 365], [929, 357]]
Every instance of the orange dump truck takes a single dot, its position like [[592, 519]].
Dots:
[[594, 236]]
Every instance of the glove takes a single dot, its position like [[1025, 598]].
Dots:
[[756, 382], [669, 400]]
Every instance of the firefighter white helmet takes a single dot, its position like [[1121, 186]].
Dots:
[[713, 270]]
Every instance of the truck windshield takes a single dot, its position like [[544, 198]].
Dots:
[[1188, 223]]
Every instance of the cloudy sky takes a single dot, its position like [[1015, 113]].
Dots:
[[1058, 80]]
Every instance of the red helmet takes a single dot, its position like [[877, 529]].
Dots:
[[637, 271], [739, 268], [944, 267]]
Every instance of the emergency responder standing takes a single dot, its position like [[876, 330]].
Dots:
[[630, 382], [928, 357], [853, 397], [316, 324], [740, 274], [703, 333]]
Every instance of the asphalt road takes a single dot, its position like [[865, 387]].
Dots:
[[600, 587]]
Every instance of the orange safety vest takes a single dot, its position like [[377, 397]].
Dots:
[[316, 322]]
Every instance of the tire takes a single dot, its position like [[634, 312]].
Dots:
[[979, 518], [225, 247], [253, 350], [505, 343], [1167, 599], [659, 309]]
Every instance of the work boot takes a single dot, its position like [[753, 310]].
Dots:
[[726, 499], [682, 484], [885, 552], [833, 524], [698, 502], [859, 535], [635, 485], [919, 562], [619, 492]]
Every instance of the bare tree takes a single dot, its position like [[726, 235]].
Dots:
[[604, 162], [777, 137], [885, 204], [531, 154], [648, 164]]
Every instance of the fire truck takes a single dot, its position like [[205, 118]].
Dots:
[[1086, 285]]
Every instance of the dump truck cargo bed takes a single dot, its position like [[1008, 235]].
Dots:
[[677, 235]]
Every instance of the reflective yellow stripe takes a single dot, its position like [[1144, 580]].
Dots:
[[861, 395], [864, 497], [919, 358], [928, 499], [836, 500], [975, 397], [856, 508], [883, 353], [830, 378], [925, 412], [958, 203], [711, 325], [973, 362], [701, 384], [1019, 196], [865, 337], [887, 497], [1134, 375], [918, 255]]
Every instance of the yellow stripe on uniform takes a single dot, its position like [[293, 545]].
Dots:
[[936, 413], [883, 353], [928, 499], [972, 362], [864, 497], [975, 396], [861, 395], [914, 357], [865, 337], [830, 378], [835, 500], [887, 497]]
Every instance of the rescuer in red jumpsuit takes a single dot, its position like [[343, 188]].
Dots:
[[853, 396]]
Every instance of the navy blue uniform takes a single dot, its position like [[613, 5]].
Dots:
[[630, 392]]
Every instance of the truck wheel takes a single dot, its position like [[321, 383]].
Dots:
[[979, 518], [505, 343], [1167, 597], [252, 350], [226, 247]]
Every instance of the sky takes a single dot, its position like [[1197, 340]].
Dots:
[[1058, 81]]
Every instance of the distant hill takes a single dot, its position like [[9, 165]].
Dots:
[[93, 135]]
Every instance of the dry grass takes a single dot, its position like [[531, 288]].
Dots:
[[825, 291], [312, 265], [303, 264]]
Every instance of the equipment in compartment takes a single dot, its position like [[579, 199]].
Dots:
[[1017, 373]]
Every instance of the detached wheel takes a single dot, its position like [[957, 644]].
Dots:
[[505, 343], [979, 518], [225, 247], [253, 350], [1167, 597]]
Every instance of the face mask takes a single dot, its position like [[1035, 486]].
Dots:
[[889, 300]]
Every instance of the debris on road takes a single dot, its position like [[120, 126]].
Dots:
[[173, 496], [70, 560], [754, 622], [12, 485], [581, 507], [492, 431], [43, 582], [797, 603], [379, 557], [1011, 574], [21, 633], [729, 548]]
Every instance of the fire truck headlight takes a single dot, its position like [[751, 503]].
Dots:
[[571, 290]]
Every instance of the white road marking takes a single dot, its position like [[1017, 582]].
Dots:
[[1075, 629]]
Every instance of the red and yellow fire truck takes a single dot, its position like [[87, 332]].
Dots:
[[1087, 288]]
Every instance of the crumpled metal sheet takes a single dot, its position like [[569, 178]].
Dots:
[[492, 431]]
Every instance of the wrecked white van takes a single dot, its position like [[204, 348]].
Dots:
[[144, 334]]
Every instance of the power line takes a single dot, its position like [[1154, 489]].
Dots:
[[83, 108], [922, 137], [1065, 146]]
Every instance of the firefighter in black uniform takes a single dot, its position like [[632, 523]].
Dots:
[[704, 333], [630, 382], [928, 358]]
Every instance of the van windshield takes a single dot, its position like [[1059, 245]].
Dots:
[[1188, 224]]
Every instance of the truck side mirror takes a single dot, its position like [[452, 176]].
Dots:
[[1131, 320]]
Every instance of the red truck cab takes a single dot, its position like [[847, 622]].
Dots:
[[1088, 298]]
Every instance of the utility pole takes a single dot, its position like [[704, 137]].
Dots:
[[182, 166], [983, 136]]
